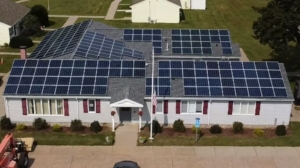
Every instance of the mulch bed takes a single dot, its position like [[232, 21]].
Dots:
[[269, 133]]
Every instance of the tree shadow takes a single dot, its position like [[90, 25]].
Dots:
[[290, 58], [182, 16], [51, 23]]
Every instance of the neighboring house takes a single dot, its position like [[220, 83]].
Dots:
[[98, 69], [155, 11], [11, 15], [193, 4]]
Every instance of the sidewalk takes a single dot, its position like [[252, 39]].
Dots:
[[112, 10], [166, 157], [70, 21], [79, 16]]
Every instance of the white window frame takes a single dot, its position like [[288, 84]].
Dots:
[[188, 106], [88, 101], [240, 108], [162, 107], [42, 109]]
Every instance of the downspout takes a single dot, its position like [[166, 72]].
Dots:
[[149, 12], [209, 112], [6, 108], [77, 108]]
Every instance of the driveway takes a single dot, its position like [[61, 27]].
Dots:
[[165, 157]]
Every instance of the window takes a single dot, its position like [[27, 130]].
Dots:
[[160, 107], [92, 106], [191, 107], [244, 108], [44, 107]]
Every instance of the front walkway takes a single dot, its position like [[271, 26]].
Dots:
[[71, 20], [126, 135], [112, 10], [165, 157]]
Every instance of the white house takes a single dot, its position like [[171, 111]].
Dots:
[[155, 11], [193, 4], [88, 74], [11, 15]]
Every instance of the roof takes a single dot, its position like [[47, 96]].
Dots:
[[11, 12], [132, 79], [176, 2], [165, 43]]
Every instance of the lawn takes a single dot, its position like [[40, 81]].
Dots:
[[73, 7], [234, 15], [56, 22], [16, 50], [221, 140], [122, 14], [83, 19], [7, 62], [57, 138], [39, 37], [125, 2], [120, 7]]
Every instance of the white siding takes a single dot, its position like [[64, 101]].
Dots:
[[217, 114], [185, 4], [198, 4], [156, 11], [4, 33]]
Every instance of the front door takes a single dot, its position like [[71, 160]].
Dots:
[[125, 114]]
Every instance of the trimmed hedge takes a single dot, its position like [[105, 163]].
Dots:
[[215, 129], [156, 127], [56, 128], [178, 126], [95, 126], [18, 41], [238, 127], [6, 123], [21, 127], [39, 124], [76, 125], [280, 130]]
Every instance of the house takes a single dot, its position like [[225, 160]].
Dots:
[[155, 11], [88, 70], [193, 4], [11, 17]]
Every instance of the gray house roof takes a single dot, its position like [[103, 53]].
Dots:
[[176, 2], [11, 12]]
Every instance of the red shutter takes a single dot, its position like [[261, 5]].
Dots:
[[257, 108], [98, 106], [205, 107], [177, 106], [66, 107], [153, 109], [166, 107], [85, 106], [230, 106], [24, 106]]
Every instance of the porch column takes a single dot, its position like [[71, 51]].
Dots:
[[113, 123], [140, 121]]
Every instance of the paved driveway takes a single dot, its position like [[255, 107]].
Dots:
[[165, 157]]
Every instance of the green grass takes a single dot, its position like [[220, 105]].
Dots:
[[122, 14], [40, 37], [234, 15], [125, 2], [7, 62], [124, 7], [56, 22], [73, 7], [51, 138], [16, 50], [83, 19], [221, 140]]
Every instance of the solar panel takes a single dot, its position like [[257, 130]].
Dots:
[[61, 41], [74, 77], [226, 79]]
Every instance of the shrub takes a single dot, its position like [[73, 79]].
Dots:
[[194, 130], [18, 41], [215, 129], [6, 123], [21, 127], [156, 127], [56, 128], [238, 127], [280, 130], [95, 126], [42, 13], [5, 45], [40, 123], [258, 132], [76, 125], [178, 126]]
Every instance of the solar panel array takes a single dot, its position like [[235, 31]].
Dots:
[[162, 86], [68, 77], [199, 42], [145, 35], [226, 79], [95, 45], [60, 42]]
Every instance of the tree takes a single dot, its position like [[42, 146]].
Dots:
[[31, 24], [42, 13], [279, 24]]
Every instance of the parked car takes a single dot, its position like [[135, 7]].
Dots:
[[126, 164]]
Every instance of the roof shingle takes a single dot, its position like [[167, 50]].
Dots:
[[11, 12]]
